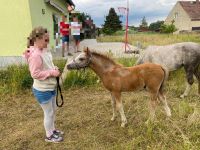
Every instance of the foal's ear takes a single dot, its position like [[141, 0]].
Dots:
[[86, 50]]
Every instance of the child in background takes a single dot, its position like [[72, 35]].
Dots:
[[64, 31], [75, 31], [44, 74]]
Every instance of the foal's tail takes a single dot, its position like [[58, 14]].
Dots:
[[166, 75]]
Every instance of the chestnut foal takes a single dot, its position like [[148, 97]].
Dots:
[[117, 79]]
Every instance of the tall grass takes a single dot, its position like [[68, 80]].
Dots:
[[153, 39], [17, 78]]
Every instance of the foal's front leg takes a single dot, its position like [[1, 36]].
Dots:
[[113, 102], [119, 107]]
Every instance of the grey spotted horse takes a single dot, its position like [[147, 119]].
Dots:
[[175, 56]]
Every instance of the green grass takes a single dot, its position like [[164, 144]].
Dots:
[[85, 118], [152, 39]]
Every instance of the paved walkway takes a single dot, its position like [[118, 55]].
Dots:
[[114, 48]]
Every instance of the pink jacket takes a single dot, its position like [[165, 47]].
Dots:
[[34, 58]]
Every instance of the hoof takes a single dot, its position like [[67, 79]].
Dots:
[[112, 119], [147, 122], [168, 113], [182, 96], [123, 124]]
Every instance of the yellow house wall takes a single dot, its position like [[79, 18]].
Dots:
[[195, 24], [46, 20], [15, 25], [19, 17]]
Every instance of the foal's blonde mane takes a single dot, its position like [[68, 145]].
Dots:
[[104, 57]]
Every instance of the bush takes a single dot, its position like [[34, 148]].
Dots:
[[168, 28]]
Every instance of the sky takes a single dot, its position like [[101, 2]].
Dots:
[[153, 10]]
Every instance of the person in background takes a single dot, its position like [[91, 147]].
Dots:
[[44, 75], [75, 32], [64, 31]]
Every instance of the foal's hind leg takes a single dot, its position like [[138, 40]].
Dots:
[[119, 107], [190, 80], [152, 107], [163, 100]]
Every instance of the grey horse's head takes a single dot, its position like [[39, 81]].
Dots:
[[83, 60]]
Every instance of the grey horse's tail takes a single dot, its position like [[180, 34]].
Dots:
[[166, 75]]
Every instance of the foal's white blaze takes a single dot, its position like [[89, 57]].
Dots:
[[76, 59]]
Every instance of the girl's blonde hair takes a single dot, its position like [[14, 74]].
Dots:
[[37, 32]]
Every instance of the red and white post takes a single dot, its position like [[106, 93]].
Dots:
[[125, 11]]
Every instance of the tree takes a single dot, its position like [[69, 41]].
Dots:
[[112, 23], [155, 26], [144, 23]]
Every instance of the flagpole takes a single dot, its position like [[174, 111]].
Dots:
[[126, 34]]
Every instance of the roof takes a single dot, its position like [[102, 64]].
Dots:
[[192, 8]]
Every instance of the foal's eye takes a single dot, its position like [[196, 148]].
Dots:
[[81, 59]]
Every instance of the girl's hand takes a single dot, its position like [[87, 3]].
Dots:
[[55, 73], [55, 67]]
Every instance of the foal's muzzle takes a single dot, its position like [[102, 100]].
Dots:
[[70, 67], [75, 66]]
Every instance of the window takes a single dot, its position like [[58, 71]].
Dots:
[[175, 15], [55, 25], [195, 28]]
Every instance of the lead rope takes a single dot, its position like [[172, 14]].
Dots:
[[61, 96]]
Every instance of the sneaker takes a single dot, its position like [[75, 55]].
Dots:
[[58, 132], [54, 138], [69, 54]]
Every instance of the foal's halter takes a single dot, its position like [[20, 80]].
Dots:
[[85, 66]]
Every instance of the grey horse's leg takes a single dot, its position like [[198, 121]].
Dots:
[[190, 80], [197, 75]]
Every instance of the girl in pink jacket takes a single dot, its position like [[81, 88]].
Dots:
[[44, 75]]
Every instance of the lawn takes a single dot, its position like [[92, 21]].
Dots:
[[152, 39], [85, 118]]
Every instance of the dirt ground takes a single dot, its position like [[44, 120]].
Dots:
[[85, 119]]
